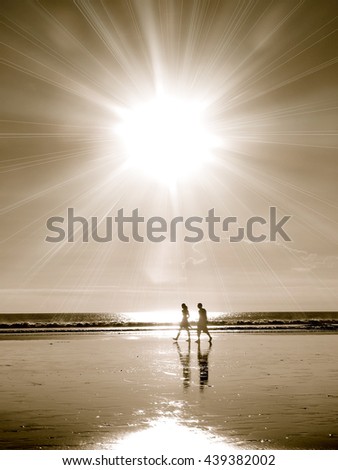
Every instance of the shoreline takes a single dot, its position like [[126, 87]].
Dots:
[[261, 328]]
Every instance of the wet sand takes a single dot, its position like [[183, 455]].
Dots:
[[110, 391]]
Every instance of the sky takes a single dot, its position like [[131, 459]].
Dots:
[[250, 88]]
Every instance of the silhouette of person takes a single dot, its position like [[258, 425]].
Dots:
[[202, 323], [184, 325], [185, 361], [203, 365]]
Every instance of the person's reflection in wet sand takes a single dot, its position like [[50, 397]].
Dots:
[[185, 361], [203, 358]]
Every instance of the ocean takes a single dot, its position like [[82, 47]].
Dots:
[[164, 320]]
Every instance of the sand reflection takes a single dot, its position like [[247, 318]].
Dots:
[[185, 360], [203, 364], [184, 355], [169, 435]]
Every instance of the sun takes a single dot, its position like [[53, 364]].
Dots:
[[167, 138]]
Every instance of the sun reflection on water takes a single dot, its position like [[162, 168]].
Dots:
[[168, 434], [163, 316]]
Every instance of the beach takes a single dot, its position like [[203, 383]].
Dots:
[[110, 390]]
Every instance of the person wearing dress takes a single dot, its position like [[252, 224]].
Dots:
[[184, 325]]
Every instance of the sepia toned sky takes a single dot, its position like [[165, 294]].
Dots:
[[266, 72]]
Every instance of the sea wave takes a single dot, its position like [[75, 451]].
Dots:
[[248, 321]]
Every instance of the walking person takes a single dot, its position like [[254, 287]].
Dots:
[[202, 324], [184, 325]]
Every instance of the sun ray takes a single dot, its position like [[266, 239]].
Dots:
[[81, 126]]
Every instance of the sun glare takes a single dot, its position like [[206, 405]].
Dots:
[[167, 138], [172, 437]]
